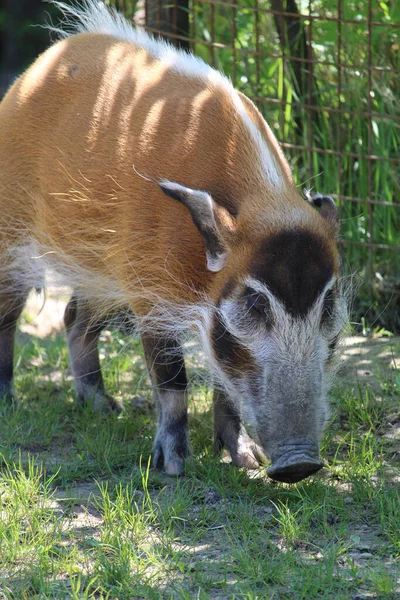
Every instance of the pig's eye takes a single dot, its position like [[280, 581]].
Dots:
[[328, 306], [256, 303]]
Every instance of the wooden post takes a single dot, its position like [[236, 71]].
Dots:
[[169, 18], [20, 43]]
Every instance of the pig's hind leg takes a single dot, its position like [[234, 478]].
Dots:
[[12, 302], [230, 433], [83, 331], [167, 369]]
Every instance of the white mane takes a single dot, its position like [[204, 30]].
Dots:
[[92, 16]]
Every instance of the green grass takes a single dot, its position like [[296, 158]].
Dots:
[[83, 516]]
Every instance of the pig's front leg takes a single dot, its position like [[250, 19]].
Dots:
[[230, 433], [167, 369]]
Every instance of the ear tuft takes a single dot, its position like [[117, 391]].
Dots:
[[216, 264], [201, 207]]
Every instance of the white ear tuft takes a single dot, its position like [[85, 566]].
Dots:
[[201, 207], [217, 263]]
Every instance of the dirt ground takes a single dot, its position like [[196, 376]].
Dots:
[[368, 360]]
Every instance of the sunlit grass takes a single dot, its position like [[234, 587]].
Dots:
[[83, 516]]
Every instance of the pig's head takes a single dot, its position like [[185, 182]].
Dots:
[[279, 310], [273, 336]]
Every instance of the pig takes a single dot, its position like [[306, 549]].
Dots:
[[138, 175]]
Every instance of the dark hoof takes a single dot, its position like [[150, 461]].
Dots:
[[245, 459], [250, 456], [175, 467], [172, 465], [243, 451], [101, 402], [115, 405], [295, 471]]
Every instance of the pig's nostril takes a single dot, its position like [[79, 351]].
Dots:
[[296, 471]]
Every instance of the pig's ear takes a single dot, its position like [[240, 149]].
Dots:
[[326, 207], [208, 218]]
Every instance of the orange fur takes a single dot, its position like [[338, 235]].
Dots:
[[71, 130]]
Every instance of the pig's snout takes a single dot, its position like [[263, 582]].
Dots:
[[295, 463]]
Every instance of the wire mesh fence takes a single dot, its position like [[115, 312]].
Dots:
[[326, 76]]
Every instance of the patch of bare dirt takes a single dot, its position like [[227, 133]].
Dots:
[[44, 311], [77, 505], [370, 360]]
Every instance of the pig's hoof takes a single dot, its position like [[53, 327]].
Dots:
[[249, 455], [243, 450], [175, 467], [167, 459], [245, 459], [106, 404], [7, 392], [101, 402]]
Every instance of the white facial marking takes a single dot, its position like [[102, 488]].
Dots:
[[291, 357], [176, 187]]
